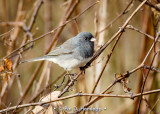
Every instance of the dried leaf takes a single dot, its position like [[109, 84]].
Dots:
[[119, 75], [52, 96], [49, 109], [156, 17], [10, 74], [127, 89], [110, 92], [3, 74], [1, 68], [8, 64], [5, 77], [38, 109], [155, 12]]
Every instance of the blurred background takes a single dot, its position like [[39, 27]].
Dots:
[[22, 21]]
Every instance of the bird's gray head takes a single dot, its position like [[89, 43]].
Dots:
[[85, 37], [85, 40]]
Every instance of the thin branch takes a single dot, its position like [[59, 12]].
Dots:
[[151, 5], [152, 68], [6, 32], [71, 83], [108, 58], [144, 82], [47, 86], [30, 26], [11, 23], [76, 95], [156, 39], [125, 11], [149, 106], [133, 28]]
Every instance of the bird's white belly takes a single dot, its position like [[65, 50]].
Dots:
[[70, 64]]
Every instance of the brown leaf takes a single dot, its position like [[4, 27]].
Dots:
[[53, 96], [49, 108], [1, 68], [5, 77], [38, 109], [8, 64], [9, 73]]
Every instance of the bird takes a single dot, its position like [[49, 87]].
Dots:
[[73, 53]]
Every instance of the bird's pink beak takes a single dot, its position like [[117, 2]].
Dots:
[[92, 39]]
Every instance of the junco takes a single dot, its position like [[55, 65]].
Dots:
[[73, 53]]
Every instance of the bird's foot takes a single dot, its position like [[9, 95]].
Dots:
[[82, 69], [71, 76], [68, 74]]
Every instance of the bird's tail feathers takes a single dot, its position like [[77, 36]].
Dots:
[[32, 60]]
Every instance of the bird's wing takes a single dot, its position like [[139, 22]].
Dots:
[[63, 49]]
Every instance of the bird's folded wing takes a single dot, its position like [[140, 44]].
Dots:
[[66, 48], [60, 51]]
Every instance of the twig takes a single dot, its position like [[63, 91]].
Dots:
[[4, 15], [151, 5], [149, 105], [152, 109], [12, 23], [116, 18], [76, 95], [71, 83], [133, 28], [47, 86], [29, 83], [151, 68], [156, 39], [6, 32], [143, 85], [108, 58], [35, 14], [30, 26]]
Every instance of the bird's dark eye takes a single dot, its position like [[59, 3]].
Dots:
[[86, 38]]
